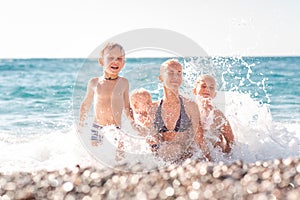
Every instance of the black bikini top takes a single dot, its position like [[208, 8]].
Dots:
[[183, 123]]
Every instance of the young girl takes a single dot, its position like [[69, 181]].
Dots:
[[215, 125]]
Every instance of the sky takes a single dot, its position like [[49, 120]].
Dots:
[[74, 28]]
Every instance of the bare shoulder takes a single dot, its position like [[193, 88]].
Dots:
[[123, 83], [219, 113], [191, 107], [190, 104], [220, 117], [93, 82], [123, 80]]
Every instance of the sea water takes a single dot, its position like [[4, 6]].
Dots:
[[40, 101]]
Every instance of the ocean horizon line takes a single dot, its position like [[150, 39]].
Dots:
[[153, 57]]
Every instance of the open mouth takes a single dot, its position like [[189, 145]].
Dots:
[[205, 94], [115, 67]]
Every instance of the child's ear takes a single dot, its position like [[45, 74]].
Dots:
[[160, 78], [100, 60]]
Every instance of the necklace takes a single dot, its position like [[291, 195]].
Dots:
[[111, 79]]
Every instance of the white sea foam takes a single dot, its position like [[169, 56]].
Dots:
[[51, 151], [257, 137]]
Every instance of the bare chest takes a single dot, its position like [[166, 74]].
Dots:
[[108, 90]]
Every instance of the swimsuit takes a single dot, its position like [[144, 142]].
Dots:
[[183, 123], [96, 133], [182, 126]]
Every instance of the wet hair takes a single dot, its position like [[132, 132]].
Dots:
[[109, 46], [140, 91], [204, 76], [168, 62]]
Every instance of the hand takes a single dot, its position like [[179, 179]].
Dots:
[[207, 104], [153, 143], [207, 157], [94, 143], [81, 123], [79, 128]]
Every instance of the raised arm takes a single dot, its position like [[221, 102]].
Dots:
[[87, 101], [226, 131], [197, 127]]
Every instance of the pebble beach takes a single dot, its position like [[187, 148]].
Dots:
[[276, 179]]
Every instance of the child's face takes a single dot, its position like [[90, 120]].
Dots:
[[113, 61], [206, 88], [141, 104]]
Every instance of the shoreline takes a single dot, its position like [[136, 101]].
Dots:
[[276, 179]]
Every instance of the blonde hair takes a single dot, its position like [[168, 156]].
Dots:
[[109, 46], [140, 91], [206, 76], [169, 62]]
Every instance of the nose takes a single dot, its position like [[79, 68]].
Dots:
[[114, 60], [206, 90], [177, 75]]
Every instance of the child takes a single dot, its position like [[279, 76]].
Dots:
[[213, 120], [141, 103], [109, 92]]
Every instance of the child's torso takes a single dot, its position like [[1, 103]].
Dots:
[[109, 100]]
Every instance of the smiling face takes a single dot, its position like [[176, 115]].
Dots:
[[171, 74], [113, 61], [205, 87]]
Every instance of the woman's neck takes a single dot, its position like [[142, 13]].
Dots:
[[170, 95]]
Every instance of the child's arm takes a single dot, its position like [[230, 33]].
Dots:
[[199, 138], [228, 135], [87, 101], [198, 131], [127, 110], [154, 138], [226, 132]]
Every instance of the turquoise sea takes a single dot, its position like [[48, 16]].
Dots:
[[40, 99]]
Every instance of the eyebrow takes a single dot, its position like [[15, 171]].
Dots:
[[173, 70]]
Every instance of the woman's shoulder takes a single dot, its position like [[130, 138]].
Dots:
[[188, 102]]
